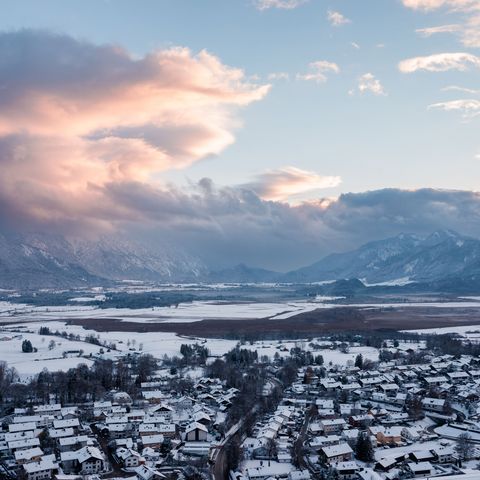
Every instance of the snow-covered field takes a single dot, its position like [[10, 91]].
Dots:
[[157, 344], [467, 331], [198, 310], [163, 343], [184, 313], [52, 359]]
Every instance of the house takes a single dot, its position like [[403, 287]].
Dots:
[[184, 403], [118, 430], [346, 470], [153, 441], [422, 456], [266, 470], [368, 474], [361, 420], [150, 455], [458, 376], [317, 443], [22, 427], [299, 475], [167, 430], [90, 460], [434, 404], [386, 464], [51, 409], [129, 458], [412, 433], [25, 443], [66, 423], [438, 380], [202, 417], [421, 469], [337, 453], [335, 425], [396, 417], [28, 455], [41, 469], [389, 436], [72, 443], [196, 432], [389, 388], [143, 472], [444, 454]]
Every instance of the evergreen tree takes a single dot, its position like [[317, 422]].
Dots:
[[359, 361], [363, 448], [319, 360], [27, 346]]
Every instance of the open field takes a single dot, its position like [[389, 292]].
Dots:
[[218, 335], [316, 322], [157, 344]]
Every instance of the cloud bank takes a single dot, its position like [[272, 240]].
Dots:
[[225, 225]]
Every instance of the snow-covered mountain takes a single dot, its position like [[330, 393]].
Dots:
[[399, 259], [25, 265], [121, 259], [52, 261]]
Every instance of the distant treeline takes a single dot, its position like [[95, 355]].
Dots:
[[143, 300], [112, 300]]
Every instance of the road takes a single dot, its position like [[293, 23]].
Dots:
[[300, 441], [218, 456]]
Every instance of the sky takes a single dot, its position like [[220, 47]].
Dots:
[[269, 132]]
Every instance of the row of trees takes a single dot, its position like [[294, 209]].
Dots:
[[76, 385]]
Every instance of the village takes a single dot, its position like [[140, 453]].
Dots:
[[411, 414]]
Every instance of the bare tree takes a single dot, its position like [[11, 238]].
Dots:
[[465, 447]]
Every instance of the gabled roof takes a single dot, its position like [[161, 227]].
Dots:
[[196, 426], [86, 453]]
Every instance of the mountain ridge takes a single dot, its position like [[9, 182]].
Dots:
[[53, 261], [406, 256]]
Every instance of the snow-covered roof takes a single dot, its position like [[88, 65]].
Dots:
[[196, 426], [86, 453], [336, 450], [47, 462]]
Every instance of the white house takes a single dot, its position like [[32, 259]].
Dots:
[[42, 469], [196, 432]]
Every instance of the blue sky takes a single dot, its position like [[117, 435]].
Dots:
[[369, 141], [269, 132]]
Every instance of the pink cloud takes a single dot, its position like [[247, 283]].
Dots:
[[76, 118], [290, 183]]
